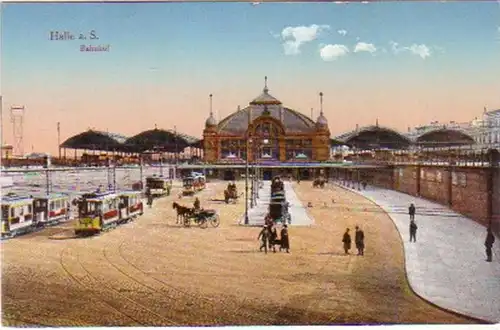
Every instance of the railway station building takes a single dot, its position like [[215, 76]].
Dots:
[[269, 132]]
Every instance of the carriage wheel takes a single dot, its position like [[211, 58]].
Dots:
[[187, 222], [203, 223], [215, 221]]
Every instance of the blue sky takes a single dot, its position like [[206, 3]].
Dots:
[[221, 34]]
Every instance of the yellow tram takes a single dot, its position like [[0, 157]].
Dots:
[[17, 215], [100, 211]]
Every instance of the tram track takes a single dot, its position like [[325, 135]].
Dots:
[[217, 306], [139, 314]]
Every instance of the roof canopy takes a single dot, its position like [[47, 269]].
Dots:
[[158, 139], [444, 137], [95, 140], [375, 137]]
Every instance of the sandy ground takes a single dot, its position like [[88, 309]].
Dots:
[[154, 272]]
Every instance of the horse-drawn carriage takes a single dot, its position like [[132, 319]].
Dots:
[[278, 206], [201, 217], [231, 193], [319, 182], [277, 185], [278, 209]]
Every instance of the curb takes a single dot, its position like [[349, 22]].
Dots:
[[445, 309]]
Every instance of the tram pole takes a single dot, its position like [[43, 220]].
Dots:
[[161, 164], [47, 181], [114, 176], [140, 170], [246, 186]]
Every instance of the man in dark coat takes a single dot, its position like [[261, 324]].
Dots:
[[197, 204], [273, 239], [346, 239], [413, 231], [150, 198], [490, 239], [359, 239], [264, 236], [411, 211], [285, 240]]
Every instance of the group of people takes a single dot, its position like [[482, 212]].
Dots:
[[359, 240], [269, 238]]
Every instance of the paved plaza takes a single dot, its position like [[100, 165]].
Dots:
[[298, 212], [447, 263]]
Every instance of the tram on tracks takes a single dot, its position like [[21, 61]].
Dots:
[[98, 212], [51, 209], [23, 214], [193, 184], [158, 186], [17, 215]]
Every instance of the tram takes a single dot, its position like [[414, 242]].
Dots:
[[102, 211], [17, 215], [51, 209], [158, 186], [130, 206]]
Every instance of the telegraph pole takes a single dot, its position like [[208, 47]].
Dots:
[[59, 138]]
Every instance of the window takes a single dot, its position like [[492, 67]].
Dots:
[[463, 179], [52, 206], [439, 176], [454, 178]]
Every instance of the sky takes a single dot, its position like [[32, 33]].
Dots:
[[404, 64]]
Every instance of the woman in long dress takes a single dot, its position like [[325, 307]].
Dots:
[[285, 240], [347, 241]]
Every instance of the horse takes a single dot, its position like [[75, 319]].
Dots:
[[231, 195], [182, 211]]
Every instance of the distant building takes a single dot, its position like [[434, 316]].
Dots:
[[7, 151], [486, 129]]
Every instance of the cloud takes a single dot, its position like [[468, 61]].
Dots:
[[332, 52], [420, 50], [342, 32], [294, 37], [365, 47]]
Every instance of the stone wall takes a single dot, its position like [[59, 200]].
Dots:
[[474, 192]]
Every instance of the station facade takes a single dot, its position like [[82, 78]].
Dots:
[[269, 132]]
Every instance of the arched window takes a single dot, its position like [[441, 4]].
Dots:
[[265, 142]]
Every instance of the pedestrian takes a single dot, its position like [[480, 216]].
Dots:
[[273, 239], [413, 231], [285, 240], [264, 237], [347, 241], [149, 197], [359, 239], [490, 239], [411, 211]]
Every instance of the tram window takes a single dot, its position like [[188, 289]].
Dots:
[[12, 212], [51, 206], [29, 208], [21, 210]]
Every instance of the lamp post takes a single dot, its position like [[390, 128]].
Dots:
[[246, 185]]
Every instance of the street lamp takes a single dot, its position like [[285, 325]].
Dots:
[[246, 185]]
